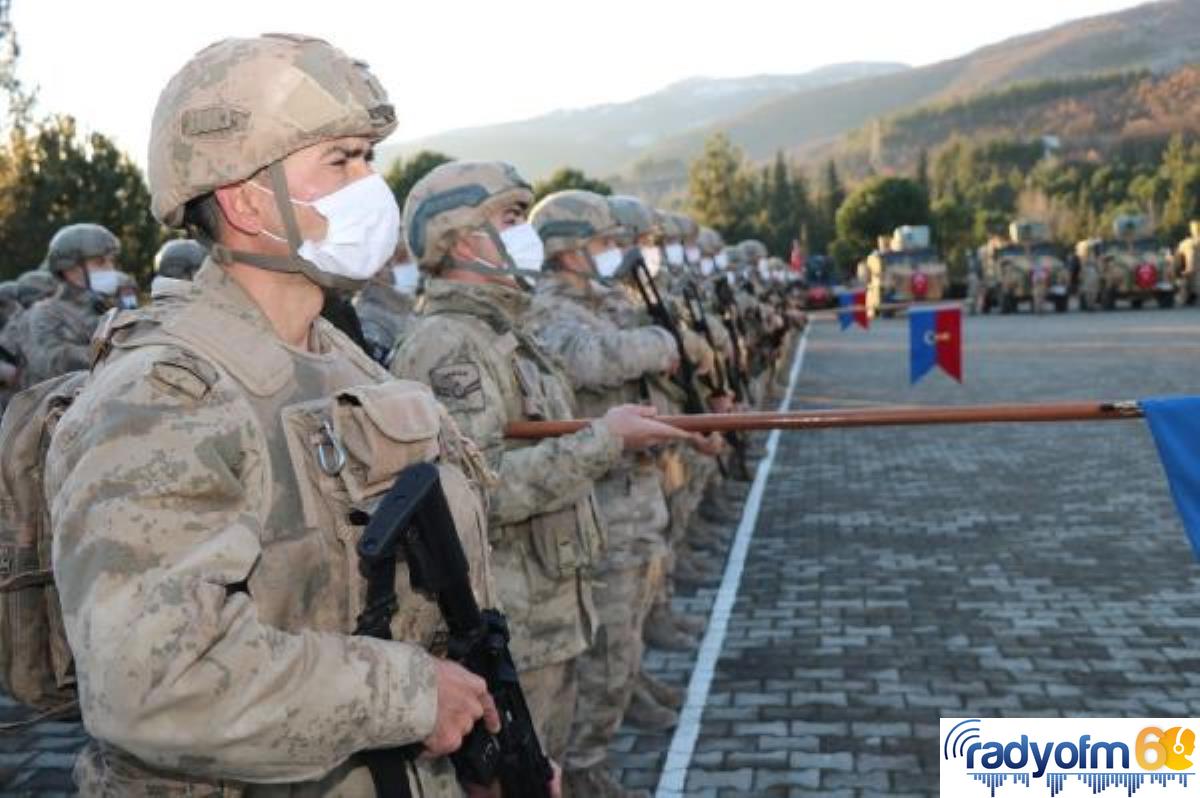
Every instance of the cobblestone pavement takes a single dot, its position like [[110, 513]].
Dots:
[[897, 575]]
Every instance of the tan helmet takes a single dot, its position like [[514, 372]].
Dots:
[[75, 243], [709, 241], [179, 258], [635, 217], [734, 258], [687, 226], [242, 105], [458, 196], [567, 220], [671, 224], [35, 284], [752, 251]]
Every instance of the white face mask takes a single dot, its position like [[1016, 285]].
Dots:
[[103, 281], [675, 254], [707, 266], [692, 254], [763, 271], [127, 301], [731, 278], [405, 277], [722, 260], [607, 262], [524, 246], [363, 229], [653, 258]]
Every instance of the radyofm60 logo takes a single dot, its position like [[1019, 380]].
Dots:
[[1068, 757]]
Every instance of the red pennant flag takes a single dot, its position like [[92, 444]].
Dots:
[[948, 324]]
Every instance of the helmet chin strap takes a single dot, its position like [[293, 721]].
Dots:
[[523, 278], [287, 264]]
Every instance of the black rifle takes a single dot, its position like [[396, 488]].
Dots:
[[733, 321], [695, 305], [635, 266], [414, 521]]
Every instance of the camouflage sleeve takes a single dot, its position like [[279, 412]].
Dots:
[[607, 358], [158, 490], [550, 475], [46, 350]]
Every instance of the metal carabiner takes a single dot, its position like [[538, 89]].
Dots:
[[331, 443]]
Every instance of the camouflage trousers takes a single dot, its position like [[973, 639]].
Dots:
[[551, 692], [102, 772], [608, 670], [698, 470]]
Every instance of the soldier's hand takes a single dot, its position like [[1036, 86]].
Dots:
[[721, 403], [462, 699], [637, 429], [712, 444]]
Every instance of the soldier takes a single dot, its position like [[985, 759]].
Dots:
[[178, 259], [34, 285], [57, 333], [386, 305], [607, 366], [466, 226], [202, 484]]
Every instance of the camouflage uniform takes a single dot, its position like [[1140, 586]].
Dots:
[[471, 346], [206, 562], [55, 336], [606, 365], [207, 486], [386, 315]]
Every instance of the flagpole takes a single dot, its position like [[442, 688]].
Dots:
[[897, 416], [831, 314]]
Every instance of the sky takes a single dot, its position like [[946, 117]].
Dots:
[[461, 63]]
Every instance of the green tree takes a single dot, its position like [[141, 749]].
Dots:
[[1182, 172], [877, 207], [831, 193], [720, 190], [51, 175], [402, 175], [567, 178]]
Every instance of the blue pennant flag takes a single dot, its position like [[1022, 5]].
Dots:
[[1175, 424]]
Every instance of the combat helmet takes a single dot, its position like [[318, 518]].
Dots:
[[242, 105], [459, 196], [753, 251], [709, 241], [179, 258], [635, 217], [567, 220], [75, 243]]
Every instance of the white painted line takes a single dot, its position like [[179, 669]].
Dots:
[[683, 744]]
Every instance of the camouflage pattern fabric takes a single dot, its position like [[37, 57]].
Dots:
[[56, 336], [206, 558]]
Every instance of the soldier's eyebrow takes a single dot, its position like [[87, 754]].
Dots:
[[350, 152]]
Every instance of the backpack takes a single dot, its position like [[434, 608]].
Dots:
[[36, 666]]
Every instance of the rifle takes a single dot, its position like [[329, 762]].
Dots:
[[897, 416], [414, 520], [686, 379], [700, 319], [733, 321]]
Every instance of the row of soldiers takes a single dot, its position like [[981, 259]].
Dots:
[[214, 398]]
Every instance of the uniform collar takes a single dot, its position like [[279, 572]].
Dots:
[[499, 305]]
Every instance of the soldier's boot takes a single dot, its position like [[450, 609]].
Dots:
[[668, 695], [596, 781], [647, 714], [693, 625], [706, 537], [661, 632], [713, 509]]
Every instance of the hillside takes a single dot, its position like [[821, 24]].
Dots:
[[1085, 115], [1156, 36], [604, 138]]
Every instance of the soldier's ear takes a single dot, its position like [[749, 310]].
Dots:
[[461, 247], [244, 207]]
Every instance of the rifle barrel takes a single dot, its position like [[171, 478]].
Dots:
[[898, 416]]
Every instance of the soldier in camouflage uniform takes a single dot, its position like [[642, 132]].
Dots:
[[57, 333], [607, 366], [386, 305], [466, 226], [201, 486], [178, 259]]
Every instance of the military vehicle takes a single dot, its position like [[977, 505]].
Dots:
[[1132, 266], [1187, 270], [903, 268], [1024, 268]]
